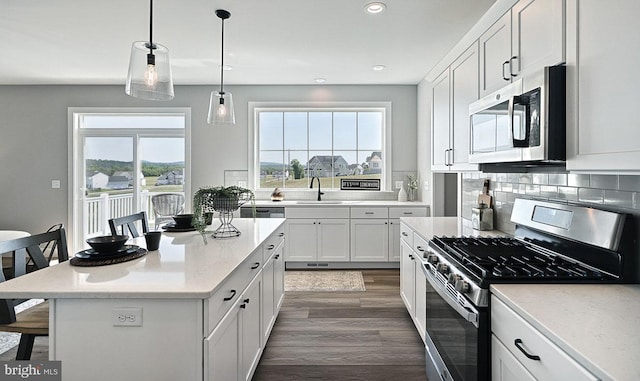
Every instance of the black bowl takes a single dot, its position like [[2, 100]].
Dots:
[[107, 243], [183, 220]]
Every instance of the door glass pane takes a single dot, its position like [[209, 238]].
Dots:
[[109, 181]]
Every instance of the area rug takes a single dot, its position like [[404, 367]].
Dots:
[[314, 280]]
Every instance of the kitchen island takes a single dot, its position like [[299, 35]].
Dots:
[[178, 313]]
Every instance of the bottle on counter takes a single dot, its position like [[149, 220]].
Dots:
[[482, 217], [402, 194]]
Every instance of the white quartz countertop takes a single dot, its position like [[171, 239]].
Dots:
[[427, 227], [346, 203], [183, 267], [597, 325]]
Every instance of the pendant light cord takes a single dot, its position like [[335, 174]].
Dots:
[[151, 47], [222, 63]]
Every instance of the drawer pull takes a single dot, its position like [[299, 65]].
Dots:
[[407, 213], [271, 247], [404, 234], [233, 293], [281, 235], [368, 213], [419, 248], [518, 343], [255, 266]]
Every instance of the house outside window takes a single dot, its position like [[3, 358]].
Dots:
[[294, 144]]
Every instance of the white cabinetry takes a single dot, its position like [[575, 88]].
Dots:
[[602, 124], [370, 234], [524, 40], [375, 232], [250, 329], [524, 350], [272, 286], [453, 91], [407, 277], [222, 348], [413, 283], [317, 234]]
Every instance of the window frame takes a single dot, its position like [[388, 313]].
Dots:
[[254, 134]]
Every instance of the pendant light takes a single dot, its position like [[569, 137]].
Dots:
[[221, 103], [149, 74]]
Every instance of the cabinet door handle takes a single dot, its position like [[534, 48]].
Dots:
[[233, 293], [511, 65], [255, 266], [246, 300], [277, 256], [518, 345], [411, 256], [504, 76], [271, 247], [243, 306], [405, 234], [419, 248]]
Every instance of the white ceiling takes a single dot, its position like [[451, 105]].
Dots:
[[266, 41]]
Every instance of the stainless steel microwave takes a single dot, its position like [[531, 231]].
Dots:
[[522, 122]]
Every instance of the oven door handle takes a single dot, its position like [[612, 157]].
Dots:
[[467, 313]]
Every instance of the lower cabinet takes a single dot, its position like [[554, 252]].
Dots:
[[521, 352], [413, 281], [407, 277], [369, 240], [318, 239], [233, 348]]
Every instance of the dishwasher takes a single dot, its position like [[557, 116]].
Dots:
[[262, 212]]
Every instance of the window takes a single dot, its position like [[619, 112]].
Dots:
[[295, 144]]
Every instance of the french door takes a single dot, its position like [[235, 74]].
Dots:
[[120, 159]]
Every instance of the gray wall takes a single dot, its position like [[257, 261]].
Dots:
[[34, 139]]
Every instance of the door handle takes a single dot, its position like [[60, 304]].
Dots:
[[504, 76], [518, 344], [255, 266], [511, 66], [233, 293], [271, 247]]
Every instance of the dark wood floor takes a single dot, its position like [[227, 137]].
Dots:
[[345, 336]]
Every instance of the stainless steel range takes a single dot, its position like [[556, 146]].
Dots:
[[553, 243]]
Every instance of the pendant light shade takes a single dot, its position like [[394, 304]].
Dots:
[[221, 103], [149, 74]]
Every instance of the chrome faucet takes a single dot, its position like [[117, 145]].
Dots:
[[311, 187]]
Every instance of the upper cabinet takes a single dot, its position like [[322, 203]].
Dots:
[[452, 93], [525, 39], [603, 132]]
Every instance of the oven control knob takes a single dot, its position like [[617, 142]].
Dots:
[[432, 258], [442, 268], [453, 278], [462, 286]]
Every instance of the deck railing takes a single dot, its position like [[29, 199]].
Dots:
[[98, 210]]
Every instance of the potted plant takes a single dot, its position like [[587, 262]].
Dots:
[[224, 200]]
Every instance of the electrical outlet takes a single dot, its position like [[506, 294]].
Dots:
[[126, 317], [399, 184], [425, 185], [55, 184]]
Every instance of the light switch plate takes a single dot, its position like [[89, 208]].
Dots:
[[126, 317], [398, 184]]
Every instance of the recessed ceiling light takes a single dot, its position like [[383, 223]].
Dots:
[[378, 67], [375, 7], [320, 80]]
